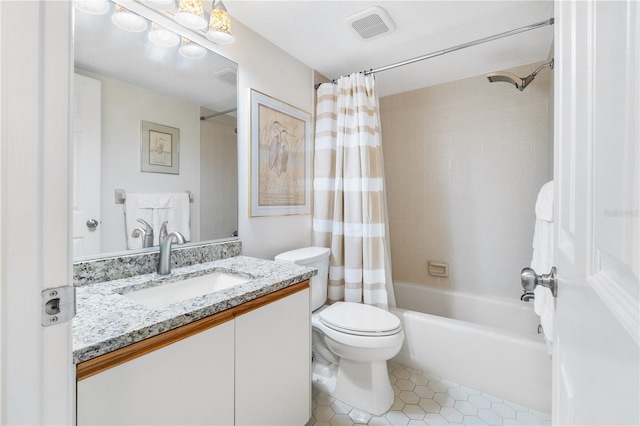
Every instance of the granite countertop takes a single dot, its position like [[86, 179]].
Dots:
[[106, 320]]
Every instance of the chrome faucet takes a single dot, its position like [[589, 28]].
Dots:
[[147, 234], [164, 265]]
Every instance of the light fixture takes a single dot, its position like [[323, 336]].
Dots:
[[219, 24], [162, 36], [94, 7], [161, 4], [191, 15], [191, 50], [128, 21]]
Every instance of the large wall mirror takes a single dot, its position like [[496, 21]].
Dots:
[[124, 82]]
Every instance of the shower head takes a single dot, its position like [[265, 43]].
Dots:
[[518, 82]]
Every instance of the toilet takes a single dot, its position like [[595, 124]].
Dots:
[[351, 342]]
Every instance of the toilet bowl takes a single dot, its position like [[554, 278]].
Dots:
[[351, 341]]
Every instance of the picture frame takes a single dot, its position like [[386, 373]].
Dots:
[[159, 148], [280, 158]]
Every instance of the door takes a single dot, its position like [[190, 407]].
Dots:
[[86, 121], [596, 343], [37, 383]]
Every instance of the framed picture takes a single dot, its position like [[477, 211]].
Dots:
[[159, 148], [280, 158]]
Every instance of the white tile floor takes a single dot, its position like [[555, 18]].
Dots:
[[422, 399]]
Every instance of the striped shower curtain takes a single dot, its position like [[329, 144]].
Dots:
[[350, 211]]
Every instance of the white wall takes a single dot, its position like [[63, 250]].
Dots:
[[123, 107], [268, 69], [218, 176], [464, 162]]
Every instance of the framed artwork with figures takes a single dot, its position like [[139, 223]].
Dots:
[[280, 158]]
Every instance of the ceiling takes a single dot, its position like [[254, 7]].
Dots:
[[315, 32]]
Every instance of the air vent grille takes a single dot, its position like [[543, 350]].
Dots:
[[371, 22], [227, 75], [370, 26]]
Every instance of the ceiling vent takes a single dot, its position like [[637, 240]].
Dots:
[[227, 75], [371, 22]]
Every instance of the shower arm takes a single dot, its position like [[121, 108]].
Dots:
[[541, 67], [528, 79]]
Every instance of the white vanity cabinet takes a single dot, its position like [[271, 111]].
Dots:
[[249, 365], [187, 382], [273, 363]]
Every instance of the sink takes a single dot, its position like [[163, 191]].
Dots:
[[179, 291]]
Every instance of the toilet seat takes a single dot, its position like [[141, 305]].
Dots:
[[359, 319]]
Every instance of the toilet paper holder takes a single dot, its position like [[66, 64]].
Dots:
[[530, 280]]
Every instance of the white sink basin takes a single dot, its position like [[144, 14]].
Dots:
[[179, 291]]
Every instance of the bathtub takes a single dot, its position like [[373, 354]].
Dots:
[[486, 343]]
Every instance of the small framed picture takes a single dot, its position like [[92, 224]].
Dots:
[[159, 148]]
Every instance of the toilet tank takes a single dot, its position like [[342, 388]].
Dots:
[[315, 257]]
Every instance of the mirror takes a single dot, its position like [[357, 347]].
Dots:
[[140, 82]]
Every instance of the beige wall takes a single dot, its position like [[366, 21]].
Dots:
[[268, 69], [464, 162]]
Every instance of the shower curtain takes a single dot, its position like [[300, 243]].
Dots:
[[350, 211]]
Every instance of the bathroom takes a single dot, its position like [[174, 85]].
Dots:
[[262, 237]]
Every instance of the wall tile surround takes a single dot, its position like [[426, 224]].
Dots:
[[464, 162], [126, 266]]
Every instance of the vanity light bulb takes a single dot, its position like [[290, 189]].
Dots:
[[162, 36], [128, 21], [161, 4], [220, 27], [191, 15], [191, 50], [93, 7]]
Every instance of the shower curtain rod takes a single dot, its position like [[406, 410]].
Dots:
[[458, 47], [216, 114]]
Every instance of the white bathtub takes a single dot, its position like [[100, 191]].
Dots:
[[486, 343]]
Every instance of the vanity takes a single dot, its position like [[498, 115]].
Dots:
[[239, 354]]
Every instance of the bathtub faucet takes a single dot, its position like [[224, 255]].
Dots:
[[527, 295]]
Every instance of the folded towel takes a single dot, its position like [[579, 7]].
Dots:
[[156, 208], [544, 202], [177, 216], [542, 259], [154, 201], [132, 212], [544, 303]]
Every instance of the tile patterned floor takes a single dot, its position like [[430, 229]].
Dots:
[[423, 399]]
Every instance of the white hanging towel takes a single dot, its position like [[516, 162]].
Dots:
[[544, 302], [156, 208]]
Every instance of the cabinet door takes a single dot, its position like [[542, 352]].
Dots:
[[273, 362], [187, 382]]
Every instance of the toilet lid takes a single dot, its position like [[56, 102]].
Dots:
[[356, 318]]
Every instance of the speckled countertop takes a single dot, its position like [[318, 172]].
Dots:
[[106, 320]]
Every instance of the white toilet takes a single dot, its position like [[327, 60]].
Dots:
[[351, 341]]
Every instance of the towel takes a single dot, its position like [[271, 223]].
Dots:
[[542, 261], [544, 202], [156, 208]]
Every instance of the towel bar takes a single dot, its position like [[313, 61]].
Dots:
[[120, 195]]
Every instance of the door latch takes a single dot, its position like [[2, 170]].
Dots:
[[58, 305]]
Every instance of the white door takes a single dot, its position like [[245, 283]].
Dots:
[[37, 383], [86, 121], [596, 347]]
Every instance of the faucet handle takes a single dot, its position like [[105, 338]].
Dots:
[[163, 231], [148, 228]]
